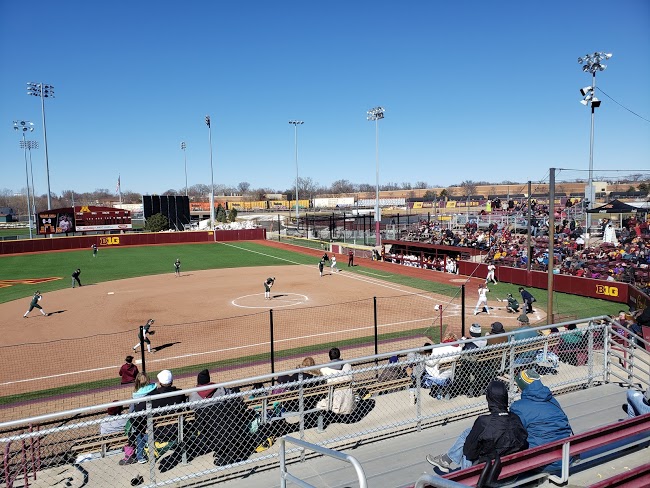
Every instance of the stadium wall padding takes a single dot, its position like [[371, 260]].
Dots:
[[118, 240]]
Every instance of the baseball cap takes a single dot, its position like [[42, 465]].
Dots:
[[165, 377], [526, 377]]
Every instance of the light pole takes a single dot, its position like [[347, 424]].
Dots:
[[295, 124], [212, 222], [25, 126], [44, 91], [591, 64], [376, 114], [31, 145], [183, 147]]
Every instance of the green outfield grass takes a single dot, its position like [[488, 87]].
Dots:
[[129, 262]]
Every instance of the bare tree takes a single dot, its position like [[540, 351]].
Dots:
[[243, 187], [342, 186], [421, 185], [468, 188]]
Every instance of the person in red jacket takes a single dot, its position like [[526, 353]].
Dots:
[[128, 371]]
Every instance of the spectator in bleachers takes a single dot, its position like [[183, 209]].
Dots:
[[570, 344], [496, 328], [111, 424], [141, 388], [203, 379], [393, 371], [637, 403], [498, 433], [167, 433], [342, 401], [438, 373], [477, 343], [540, 413]]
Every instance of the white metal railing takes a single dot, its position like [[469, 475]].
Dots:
[[223, 436]]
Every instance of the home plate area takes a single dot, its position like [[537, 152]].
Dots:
[[278, 300]]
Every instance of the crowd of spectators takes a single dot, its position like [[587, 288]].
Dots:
[[614, 256]]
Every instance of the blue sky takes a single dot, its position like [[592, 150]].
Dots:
[[472, 90]]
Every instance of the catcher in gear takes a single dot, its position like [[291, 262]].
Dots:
[[268, 283]]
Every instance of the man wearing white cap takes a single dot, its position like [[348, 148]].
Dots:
[[165, 380]]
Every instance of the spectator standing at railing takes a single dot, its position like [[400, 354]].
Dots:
[[498, 433], [128, 371], [540, 413]]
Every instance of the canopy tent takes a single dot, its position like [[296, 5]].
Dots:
[[614, 207]]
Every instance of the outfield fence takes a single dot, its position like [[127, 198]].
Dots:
[[253, 344], [200, 441]]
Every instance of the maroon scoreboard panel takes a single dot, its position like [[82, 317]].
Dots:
[[101, 218]]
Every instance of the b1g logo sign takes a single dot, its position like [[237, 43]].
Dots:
[[609, 291], [109, 241]]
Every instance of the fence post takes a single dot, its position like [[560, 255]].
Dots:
[[144, 365], [374, 306], [272, 344], [279, 228], [462, 310]]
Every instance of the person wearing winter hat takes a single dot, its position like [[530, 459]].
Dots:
[[637, 403], [475, 333], [499, 432], [523, 331], [496, 328], [203, 379], [540, 413]]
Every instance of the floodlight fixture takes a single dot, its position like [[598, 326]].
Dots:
[[376, 114], [25, 126], [592, 63], [43, 90], [183, 147]]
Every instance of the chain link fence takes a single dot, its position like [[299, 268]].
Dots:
[[197, 436]]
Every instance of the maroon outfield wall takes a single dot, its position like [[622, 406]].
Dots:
[[612, 291], [136, 239]]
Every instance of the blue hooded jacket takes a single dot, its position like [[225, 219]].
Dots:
[[542, 417]]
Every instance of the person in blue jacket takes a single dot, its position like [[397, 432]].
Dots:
[[540, 413]]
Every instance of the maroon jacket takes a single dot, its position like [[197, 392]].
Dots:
[[128, 372]]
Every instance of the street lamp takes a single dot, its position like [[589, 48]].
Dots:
[[295, 124], [44, 91], [29, 145], [376, 114], [183, 147], [591, 64], [25, 126], [212, 222]]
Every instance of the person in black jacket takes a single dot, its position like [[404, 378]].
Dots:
[[139, 424], [527, 298], [500, 432]]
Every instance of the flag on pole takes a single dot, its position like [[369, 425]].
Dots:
[[117, 188]]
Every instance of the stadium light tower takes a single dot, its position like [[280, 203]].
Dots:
[[592, 63], [376, 114], [44, 91], [295, 124], [212, 218], [183, 147], [25, 126], [29, 145]]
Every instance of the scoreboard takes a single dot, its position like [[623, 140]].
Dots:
[[83, 219]]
